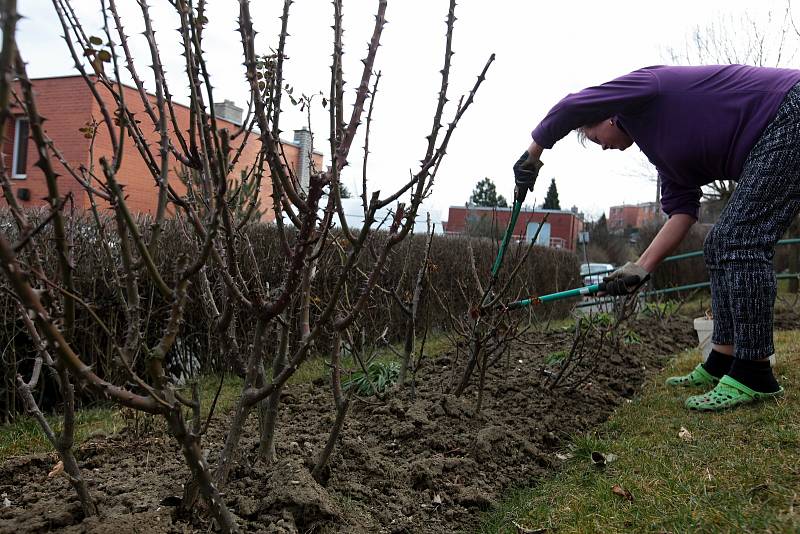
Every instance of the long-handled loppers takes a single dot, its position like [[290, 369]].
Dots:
[[577, 292], [633, 283]]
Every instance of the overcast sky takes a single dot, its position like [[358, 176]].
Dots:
[[544, 51]]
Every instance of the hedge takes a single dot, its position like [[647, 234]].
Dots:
[[198, 348]]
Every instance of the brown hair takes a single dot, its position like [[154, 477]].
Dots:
[[580, 131]]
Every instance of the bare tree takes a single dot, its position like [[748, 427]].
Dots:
[[222, 264]]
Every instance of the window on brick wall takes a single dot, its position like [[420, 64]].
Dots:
[[20, 159]]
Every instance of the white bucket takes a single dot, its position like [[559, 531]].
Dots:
[[704, 328]]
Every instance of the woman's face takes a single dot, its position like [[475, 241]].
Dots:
[[608, 135]]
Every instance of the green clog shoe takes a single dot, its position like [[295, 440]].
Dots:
[[698, 377], [729, 393]]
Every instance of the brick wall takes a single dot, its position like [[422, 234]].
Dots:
[[633, 216], [64, 103], [563, 224], [648, 213], [621, 217], [67, 105]]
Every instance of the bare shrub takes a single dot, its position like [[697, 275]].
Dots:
[[247, 301]]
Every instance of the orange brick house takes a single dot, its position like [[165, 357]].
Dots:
[[67, 105], [633, 216]]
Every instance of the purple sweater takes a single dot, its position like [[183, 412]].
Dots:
[[695, 124]]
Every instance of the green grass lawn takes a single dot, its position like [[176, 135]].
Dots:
[[24, 436], [734, 472]]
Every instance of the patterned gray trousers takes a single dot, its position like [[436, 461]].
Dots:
[[740, 247]]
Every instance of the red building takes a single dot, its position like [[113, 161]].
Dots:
[[559, 231], [68, 105], [633, 216]]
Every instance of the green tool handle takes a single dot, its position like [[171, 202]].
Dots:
[[577, 292], [519, 198], [507, 236]]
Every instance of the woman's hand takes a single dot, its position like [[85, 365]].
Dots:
[[621, 281], [526, 169], [627, 279]]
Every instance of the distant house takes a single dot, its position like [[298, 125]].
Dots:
[[559, 231], [633, 216], [68, 105]]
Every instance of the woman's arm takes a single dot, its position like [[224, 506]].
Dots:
[[666, 240], [630, 276], [535, 152], [593, 104]]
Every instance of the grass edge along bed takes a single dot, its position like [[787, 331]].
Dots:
[[683, 471]]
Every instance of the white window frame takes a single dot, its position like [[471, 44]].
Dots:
[[16, 149]]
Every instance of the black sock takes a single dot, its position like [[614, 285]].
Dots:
[[718, 364], [754, 374]]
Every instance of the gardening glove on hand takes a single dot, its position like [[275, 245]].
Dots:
[[525, 172], [625, 280]]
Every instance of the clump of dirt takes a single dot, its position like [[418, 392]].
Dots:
[[289, 493], [422, 464]]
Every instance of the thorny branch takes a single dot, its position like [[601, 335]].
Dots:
[[230, 283]]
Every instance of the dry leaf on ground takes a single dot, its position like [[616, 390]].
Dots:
[[622, 492], [57, 470], [684, 434]]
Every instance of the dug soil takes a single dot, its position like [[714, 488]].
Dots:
[[426, 463]]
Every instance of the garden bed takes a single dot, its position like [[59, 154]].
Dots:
[[404, 465]]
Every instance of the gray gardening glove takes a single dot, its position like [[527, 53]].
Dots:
[[626, 280]]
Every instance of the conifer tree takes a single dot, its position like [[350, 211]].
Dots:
[[485, 195], [551, 200]]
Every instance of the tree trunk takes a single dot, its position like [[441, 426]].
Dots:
[[269, 406], [73, 472], [475, 353], [200, 471], [338, 424], [229, 451], [62, 443], [408, 350]]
